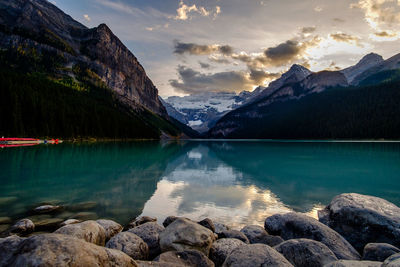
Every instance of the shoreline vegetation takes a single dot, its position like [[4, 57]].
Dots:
[[353, 230]]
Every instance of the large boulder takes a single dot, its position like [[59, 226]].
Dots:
[[150, 233], [255, 255], [234, 234], [112, 228], [296, 225], [392, 261], [379, 251], [62, 250], [257, 235], [90, 231], [130, 244], [23, 227], [184, 234], [185, 258], [222, 248], [8, 246], [306, 252], [350, 263], [363, 219]]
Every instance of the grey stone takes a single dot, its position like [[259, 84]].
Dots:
[[207, 223], [234, 234], [112, 228], [392, 261], [352, 263], [296, 225], [169, 220], [90, 231], [24, 226], [69, 221], [130, 244], [219, 228], [141, 220], [184, 234], [257, 235], [150, 233], [379, 251], [47, 209], [63, 250], [185, 258], [222, 248], [306, 252], [255, 255], [157, 264], [363, 219], [8, 246]]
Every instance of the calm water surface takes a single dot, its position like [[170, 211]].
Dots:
[[232, 182]]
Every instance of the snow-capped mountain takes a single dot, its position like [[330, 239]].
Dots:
[[201, 111]]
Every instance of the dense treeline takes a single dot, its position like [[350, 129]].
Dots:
[[33, 105], [370, 112]]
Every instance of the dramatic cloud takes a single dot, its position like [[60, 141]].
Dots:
[[196, 49], [194, 82], [183, 11], [343, 37], [381, 16]]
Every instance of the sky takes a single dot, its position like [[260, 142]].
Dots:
[[198, 46]]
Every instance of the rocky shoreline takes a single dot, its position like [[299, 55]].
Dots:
[[353, 230]]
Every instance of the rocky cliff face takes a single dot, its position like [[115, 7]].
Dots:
[[41, 25]]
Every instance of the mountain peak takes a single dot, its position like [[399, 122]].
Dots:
[[371, 57], [367, 62]]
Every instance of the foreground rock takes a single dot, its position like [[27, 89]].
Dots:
[[8, 246], [140, 220], [222, 248], [295, 225], [207, 223], [220, 227], [150, 233], [349, 263], [23, 227], [63, 250], [363, 219], [169, 220], [257, 235], [234, 234], [255, 255], [184, 234], [185, 258], [306, 252], [90, 231], [379, 251], [112, 228], [392, 261], [130, 244]]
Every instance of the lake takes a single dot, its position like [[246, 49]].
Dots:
[[234, 182]]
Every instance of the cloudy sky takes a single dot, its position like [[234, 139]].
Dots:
[[195, 46]]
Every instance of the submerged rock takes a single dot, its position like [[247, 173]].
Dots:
[[62, 250], [363, 219], [234, 234], [207, 223], [150, 233], [5, 220], [90, 231], [257, 235], [85, 215], [185, 258], [48, 224], [184, 234], [222, 248], [350, 263], [130, 244], [82, 206], [24, 226], [296, 225], [112, 228], [306, 252], [379, 251], [45, 209], [392, 261], [255, 255], [140, 220]]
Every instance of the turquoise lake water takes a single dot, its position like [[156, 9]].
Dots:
[[232, 182]]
